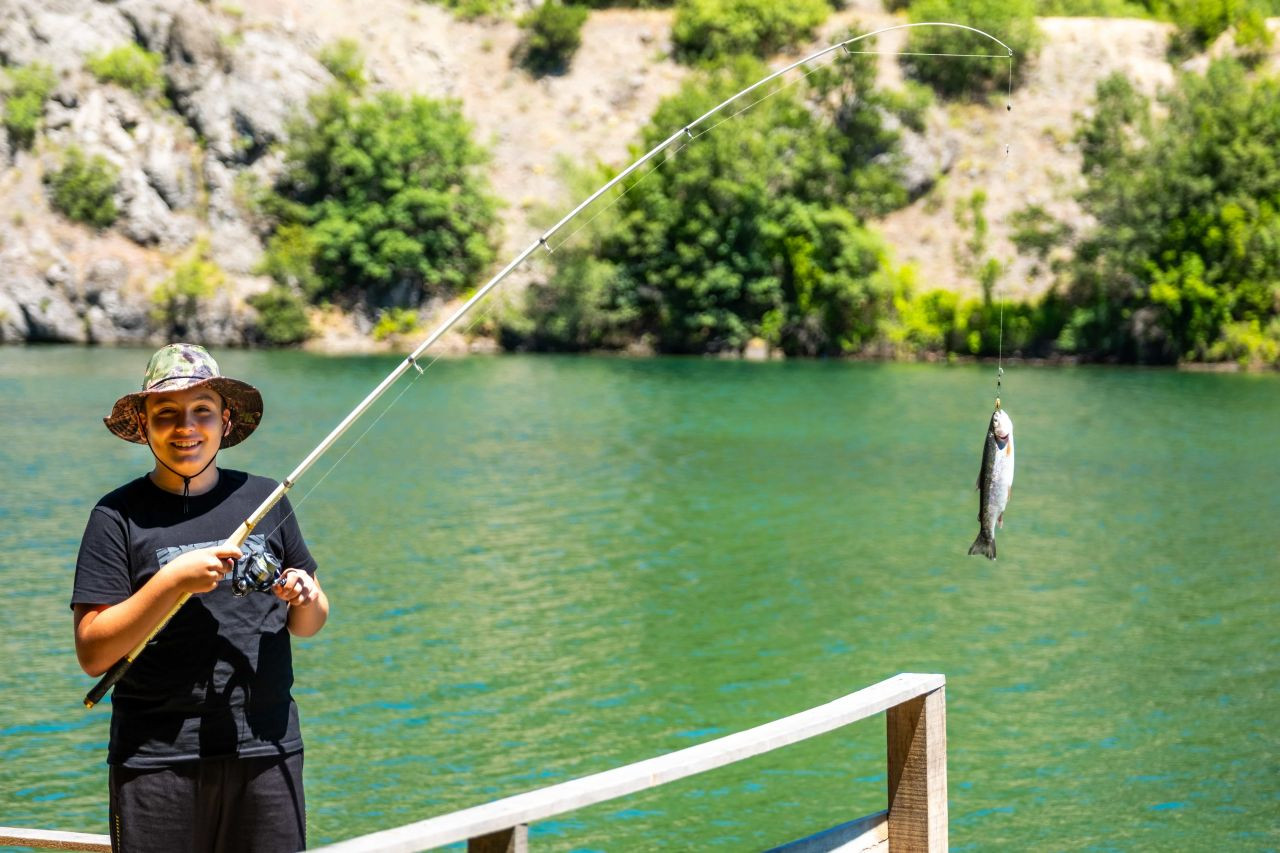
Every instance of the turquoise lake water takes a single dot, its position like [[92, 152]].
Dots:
[[544, 567]]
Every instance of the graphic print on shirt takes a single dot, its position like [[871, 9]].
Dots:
[[255, 544]]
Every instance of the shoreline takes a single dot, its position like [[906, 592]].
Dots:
[[486, 347]]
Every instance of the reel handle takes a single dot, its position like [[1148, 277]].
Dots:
[[120, 667]]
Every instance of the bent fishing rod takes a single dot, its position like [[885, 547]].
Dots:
[[237, 539]]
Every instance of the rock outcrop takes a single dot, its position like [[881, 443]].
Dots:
[[178, 157]]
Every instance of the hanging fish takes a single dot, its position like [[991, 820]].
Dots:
[[995, 481]]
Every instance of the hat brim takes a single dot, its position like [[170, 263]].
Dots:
[[241, 398]]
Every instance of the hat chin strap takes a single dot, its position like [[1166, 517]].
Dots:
[[186, 481]]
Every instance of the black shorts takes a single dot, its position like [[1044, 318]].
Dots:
[[254, 805]]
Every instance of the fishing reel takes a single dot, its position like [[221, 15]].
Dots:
[[256, 571]]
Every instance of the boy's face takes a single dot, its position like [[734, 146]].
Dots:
[[185, 428]]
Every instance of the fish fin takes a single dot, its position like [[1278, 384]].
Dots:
[[984, 545]]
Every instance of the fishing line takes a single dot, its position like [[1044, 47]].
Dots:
[[1007, 137]]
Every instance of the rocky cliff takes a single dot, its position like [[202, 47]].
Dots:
[[235, 74]]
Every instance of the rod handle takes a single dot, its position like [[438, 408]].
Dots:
[[120, 667], [94, 696]]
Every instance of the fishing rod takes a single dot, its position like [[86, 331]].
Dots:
[[237, 539]]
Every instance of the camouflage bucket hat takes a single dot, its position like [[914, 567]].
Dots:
[[178, 367]]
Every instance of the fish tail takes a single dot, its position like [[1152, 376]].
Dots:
[[984, 545]]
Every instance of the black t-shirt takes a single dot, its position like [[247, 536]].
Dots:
[[214, 683]]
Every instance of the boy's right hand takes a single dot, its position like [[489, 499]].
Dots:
[[200, 571]]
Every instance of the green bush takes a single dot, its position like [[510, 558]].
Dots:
[[290, 259], [470, 10], [1200, 22], [552, 34], [1248, 344], [282, 316], [131, 67], [1187, 242], [83, 189], [380, 199], [1253, 39], [942, 321], [28, 89], [710, 29], [175, 303], [393, 322], [344, 60], [1011, 21]]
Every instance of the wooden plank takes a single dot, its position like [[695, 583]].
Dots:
[[917, 748], [514, 840], [868, 834], [50, 839], [547, 802]]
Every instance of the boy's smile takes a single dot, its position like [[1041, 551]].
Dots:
[[185, 429]]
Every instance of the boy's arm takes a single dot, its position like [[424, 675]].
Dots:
[[105, 634], [308, 605]]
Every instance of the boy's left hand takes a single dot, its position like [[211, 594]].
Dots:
[[297, 588]]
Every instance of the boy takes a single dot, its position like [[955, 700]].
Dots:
[[205, 751]]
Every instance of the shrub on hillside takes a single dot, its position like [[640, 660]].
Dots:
[[131, 67], [1253, 37], [344, 60], [943, 321], [27, 90], [552, 34], [393, 322], [380, 199], [471, 10], [176, 302], [290, 259], [709, 29], [282, 316], [83, 188], [1011, 21]]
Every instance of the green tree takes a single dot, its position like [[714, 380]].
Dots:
[[746, 231], [552, 34], [83, 188], [28, 89], [1011, 21], [1187, 242], [381, 200], [710, 29]]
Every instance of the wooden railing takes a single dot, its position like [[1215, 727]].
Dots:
[[916, 757]]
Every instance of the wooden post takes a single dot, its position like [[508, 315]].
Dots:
[[513, 840], [917, 742]]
